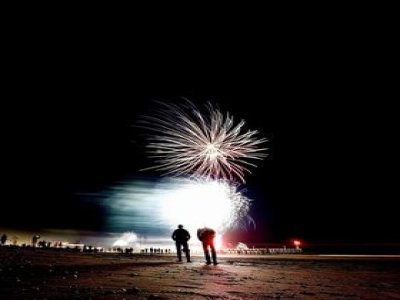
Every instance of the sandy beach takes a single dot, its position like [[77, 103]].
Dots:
[[51, 274]]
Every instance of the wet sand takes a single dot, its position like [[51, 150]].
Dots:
[[59, 274]]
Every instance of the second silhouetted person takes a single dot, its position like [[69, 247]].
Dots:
[[206, 236]]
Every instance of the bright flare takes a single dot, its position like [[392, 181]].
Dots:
[[127, 239], [218, 243], [202, 202]]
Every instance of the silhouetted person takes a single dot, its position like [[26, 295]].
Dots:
[[3, 239], [206, 236], [181, 237], [34, 240]]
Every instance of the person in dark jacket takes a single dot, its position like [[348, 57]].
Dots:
[[35, 239], [181, 237], [3, 239], [206, 236]]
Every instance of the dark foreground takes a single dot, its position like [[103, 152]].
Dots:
[[47, 274]]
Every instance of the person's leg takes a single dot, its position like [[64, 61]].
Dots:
[[178, 251], [206, 253], [213, 253], [187, 251]]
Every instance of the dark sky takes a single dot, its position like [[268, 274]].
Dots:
[[332, 168]]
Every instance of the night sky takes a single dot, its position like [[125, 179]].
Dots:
[[329, 177]]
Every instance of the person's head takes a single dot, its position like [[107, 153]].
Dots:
[[180, 226]]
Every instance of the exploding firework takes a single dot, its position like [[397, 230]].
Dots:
[[185, 141]]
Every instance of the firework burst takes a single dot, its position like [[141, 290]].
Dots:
[[211, 145]]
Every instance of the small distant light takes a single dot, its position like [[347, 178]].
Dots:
[[297, 243]]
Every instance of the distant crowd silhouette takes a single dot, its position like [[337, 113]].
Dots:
[[152, 250]]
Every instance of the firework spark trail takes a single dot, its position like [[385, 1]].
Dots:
[[210, 145]]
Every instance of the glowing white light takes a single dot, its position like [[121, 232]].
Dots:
[[241, 246], [127, 239], [218, 242], [199, 203]]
